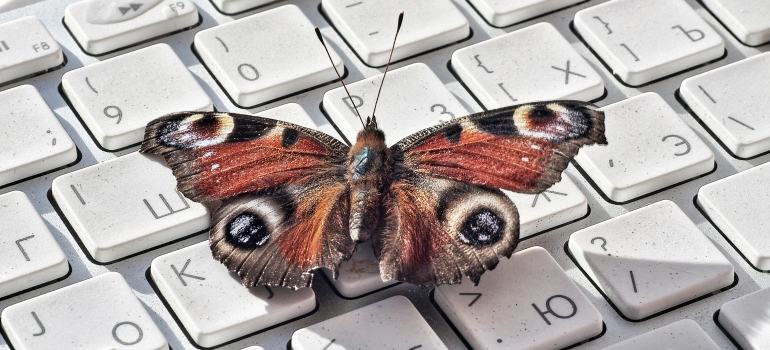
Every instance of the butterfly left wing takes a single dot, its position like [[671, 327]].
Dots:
[[444, 214]]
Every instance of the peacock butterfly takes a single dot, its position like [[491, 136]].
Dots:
[[292, 199]]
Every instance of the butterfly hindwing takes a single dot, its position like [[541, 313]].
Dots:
[[218, 155]]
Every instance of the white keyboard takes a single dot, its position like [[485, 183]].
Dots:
[[657, 240]]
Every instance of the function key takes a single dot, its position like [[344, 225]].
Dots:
[[370, 26], [266, 56], [746, 19], [26, 48], [103, 26], [505, 13], [640, 45]]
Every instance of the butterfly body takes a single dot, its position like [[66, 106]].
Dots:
[[292, 199]]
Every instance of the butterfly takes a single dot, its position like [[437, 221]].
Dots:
[[293, 199]]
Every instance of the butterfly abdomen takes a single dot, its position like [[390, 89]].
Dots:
[[369, 163]]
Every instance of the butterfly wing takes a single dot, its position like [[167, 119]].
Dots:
[[444, 214], [284, 199]]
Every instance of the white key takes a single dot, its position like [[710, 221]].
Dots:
[[30, 254], [640, 45], [26, 47], [544, 66], [237, 6], [650, 260], [33, 140], [413, 99], [738, 206], [254, 348], [543, 309], [746, 19], [745, 319], [99, 313], [237, 54], [126, 205], [501, 13], [650, 148], [730, 99], [681, 335], [102, 26], [360, 274], [188, 278], [370, 26], [558, 205], [116, 102], [7, 5], [390, 323]]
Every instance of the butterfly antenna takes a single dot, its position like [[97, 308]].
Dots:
[[400, 20], [320, 38]]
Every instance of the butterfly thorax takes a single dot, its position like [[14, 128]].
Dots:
[[369, 162]]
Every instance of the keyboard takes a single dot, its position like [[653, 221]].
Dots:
[[657, 240]]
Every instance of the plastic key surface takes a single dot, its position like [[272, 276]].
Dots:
[[390, 323], [99, 313], [26, 47], [544, 66], [738, 206], [746, 19], [680, 335], [746, 320], [102, 26], [501, 13], [237, 6], [358, 275], [30, 254], [650, 260], [731, 101], [266, 56], [640, 45], [126, 205], [370, 26], [527, 302], [33, 140], [650, 148], [561, 203], [211, 303], [116, 103]]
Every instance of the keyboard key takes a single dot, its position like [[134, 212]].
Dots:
[[390, 323], [640, 45], [681, 335], [412, 99], [544, 66], [116, 98], [26, 47], [30, 254], [640, 263], [103, 26], [126, 205], [33, 139], [254, 348], [359, 275], [187, 278], [558, 205], [99, 313], [746, 19], [236, 54], [237, 6], [745, 319], [728, 99], [525, 303], [738, 206], [370, 26], [650, 148], [504, 13]]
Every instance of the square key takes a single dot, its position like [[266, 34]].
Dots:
[[544, 66], [650, 260], [30, 254], [501, 13], [745, 319], [370, 26], [560, 204], [746, 19], [644, 40], [680, 335], [414, 99], [266, 56], [33, 140], [649, 148], [527, 302], [116, 98], [26, 47], [211, 303]]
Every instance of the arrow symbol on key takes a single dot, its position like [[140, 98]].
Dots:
[[124, 10]]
